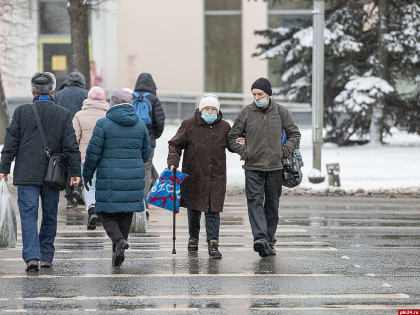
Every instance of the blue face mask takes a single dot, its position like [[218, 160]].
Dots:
[[209, 118], [262, 102]]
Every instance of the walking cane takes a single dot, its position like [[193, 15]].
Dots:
[[174, 214]]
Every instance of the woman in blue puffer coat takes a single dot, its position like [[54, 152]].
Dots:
[[118, 148]]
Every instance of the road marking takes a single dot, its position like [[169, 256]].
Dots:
[[225, 297], [370, 275], [389, 227], [171, 275], [386, 285], [223, 229], [168, 248], [340, 306], [345, 257], [356, 266]]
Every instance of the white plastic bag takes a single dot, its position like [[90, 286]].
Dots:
[[8, 224], [139, 223]]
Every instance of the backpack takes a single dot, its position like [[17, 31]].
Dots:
[[292, 173], [142, 106]]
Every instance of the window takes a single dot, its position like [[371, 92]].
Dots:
[[279, 19], [53, 17], [289, 4], [223, 46]]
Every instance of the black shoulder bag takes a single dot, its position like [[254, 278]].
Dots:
[[57, 171], [292, 172]]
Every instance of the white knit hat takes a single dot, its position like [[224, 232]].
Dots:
[[209, 100]]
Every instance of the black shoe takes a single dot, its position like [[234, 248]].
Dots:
[[78, 198], [32, 265], [93, 217], [45, 264], [118, 256], [261, 247], [71, 204], [271, 250], [147, 215], [214, 250], [193, 244]]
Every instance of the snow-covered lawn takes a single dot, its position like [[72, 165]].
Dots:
[[395, 165]]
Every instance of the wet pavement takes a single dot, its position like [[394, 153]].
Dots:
[[335, 255]]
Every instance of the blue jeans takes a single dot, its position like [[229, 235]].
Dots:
[[40, 247], [90, 195]]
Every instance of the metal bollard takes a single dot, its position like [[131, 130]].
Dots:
[[333, 171]]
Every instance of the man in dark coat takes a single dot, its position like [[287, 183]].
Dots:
[[261, 124], [23, 142], [204, 139], [118, 149], [146, 84], [72, 98]]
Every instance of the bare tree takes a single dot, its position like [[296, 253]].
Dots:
[[78, 11], [16, 35], [6, 26], [4, 113]]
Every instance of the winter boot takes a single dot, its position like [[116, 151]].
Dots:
[[78, 197], [271, 250], [118, 256], [261, 247], [71, 203], [93, 217], [193, 244], [45, 264], [32, 265], [214, 250]]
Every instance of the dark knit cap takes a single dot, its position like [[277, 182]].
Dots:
[[262, 84]]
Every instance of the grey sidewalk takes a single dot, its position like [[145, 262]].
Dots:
[[334, 256]]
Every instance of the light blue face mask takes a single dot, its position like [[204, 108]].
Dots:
[[262, 102], [209, 118]]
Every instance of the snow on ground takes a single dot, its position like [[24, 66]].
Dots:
[[394, 165]]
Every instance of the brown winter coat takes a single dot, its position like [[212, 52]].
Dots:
[[85, 120], [204, 161]]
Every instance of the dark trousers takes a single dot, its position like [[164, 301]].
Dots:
[[212, 224], [40, 247], [117, 225], [263, 191]]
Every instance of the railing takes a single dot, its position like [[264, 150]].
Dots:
[[179, 106]]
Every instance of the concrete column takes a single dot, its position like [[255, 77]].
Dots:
[[254, 17]]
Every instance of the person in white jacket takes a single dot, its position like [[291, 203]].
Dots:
[[94, 108]]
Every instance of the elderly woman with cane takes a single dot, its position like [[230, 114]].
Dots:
[[204, 139], [119, 147]]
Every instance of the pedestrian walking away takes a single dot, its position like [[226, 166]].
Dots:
[[118, 149], [23, 143], [256, 136], [204, 139], [145, 90], [94, 108], [72, 98]]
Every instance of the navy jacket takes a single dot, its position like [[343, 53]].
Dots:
[[72, 97], [145, 83], [118, 148], [23, 141]]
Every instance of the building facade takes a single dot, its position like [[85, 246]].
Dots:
[[188, 45]]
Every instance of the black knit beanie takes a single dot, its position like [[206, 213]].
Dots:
[[262, 84]]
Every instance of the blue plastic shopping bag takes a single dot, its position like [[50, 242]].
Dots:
[[162, 192]]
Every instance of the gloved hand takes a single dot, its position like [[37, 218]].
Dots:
[[86, 182]]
